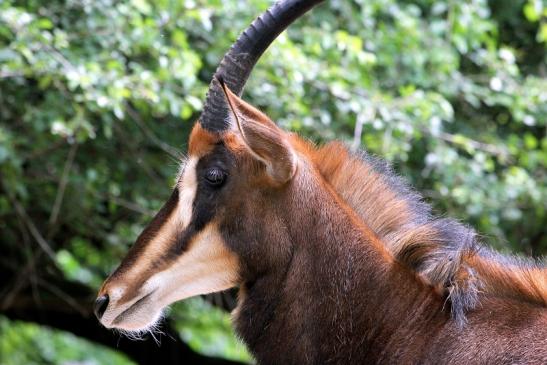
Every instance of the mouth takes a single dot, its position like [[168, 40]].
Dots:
[[135, 315], [133, 308]]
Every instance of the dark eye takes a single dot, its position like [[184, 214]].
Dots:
[[215, 176]]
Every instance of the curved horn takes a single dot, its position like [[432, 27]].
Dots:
[[237, 64]]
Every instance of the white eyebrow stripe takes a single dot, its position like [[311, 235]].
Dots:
[[187, 185], [182, 168]]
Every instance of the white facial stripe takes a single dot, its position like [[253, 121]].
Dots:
[[177, 221], [187, 192], [208, 266], [182, 214], [179, 218]]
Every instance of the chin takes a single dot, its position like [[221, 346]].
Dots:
[[136, 322]]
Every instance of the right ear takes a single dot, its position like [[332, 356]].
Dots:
[[264, 140]]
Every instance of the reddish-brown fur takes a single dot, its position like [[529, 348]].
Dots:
[[334, 275], [399, 225], [518, 280], [340, 298], [343, 263], [338, 261], [201, 141]]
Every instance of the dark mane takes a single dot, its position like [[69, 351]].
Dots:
[[443, 252]]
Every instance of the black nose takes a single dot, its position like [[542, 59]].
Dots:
[[100, 306]]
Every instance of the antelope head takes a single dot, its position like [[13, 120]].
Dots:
[[240, 167]]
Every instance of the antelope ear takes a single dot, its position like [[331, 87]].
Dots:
[[264, 140]]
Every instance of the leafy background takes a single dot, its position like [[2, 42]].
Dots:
[[97, 98]]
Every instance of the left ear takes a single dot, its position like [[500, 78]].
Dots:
[[264, 140]]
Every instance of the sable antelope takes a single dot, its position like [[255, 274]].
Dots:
[[337, 260]]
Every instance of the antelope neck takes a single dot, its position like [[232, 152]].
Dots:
[[341, 294]]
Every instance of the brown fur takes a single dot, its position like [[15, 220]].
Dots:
[[404, 223], [201, 141], [343, 263], [320, 287], [511, 278]]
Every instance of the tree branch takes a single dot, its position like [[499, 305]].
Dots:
[[44, 245], [61, 189]]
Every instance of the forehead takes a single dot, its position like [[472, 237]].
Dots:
[[203, 142]]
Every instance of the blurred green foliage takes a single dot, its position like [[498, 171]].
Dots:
[[208, 329], [29, 344], [97, 99]]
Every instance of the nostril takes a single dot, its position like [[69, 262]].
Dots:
[[100, 305]]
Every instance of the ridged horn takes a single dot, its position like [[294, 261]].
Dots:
[[237, 64]]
